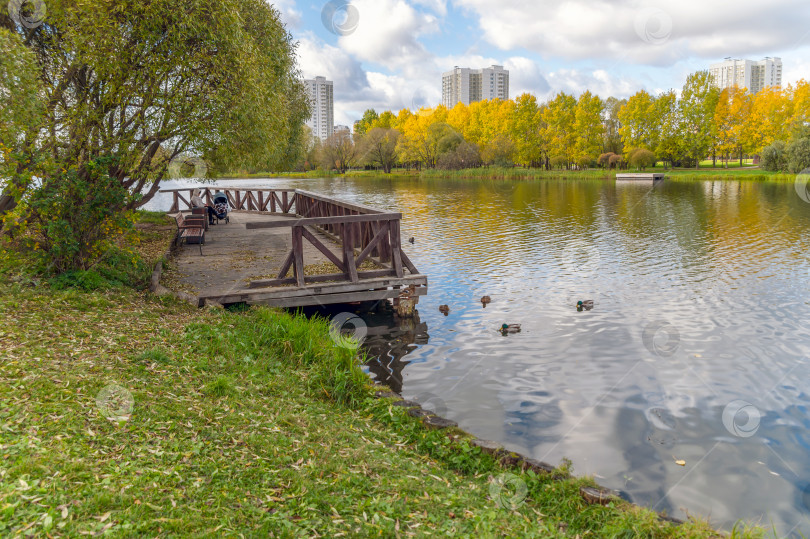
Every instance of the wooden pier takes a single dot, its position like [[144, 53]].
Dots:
[[267, 253], [641, 176]]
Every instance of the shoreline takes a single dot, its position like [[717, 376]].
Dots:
[[523, 174], [252, 420]]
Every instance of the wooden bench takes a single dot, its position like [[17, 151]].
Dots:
[[191, 229]]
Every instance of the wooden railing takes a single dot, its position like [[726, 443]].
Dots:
[[362, 232], [259, 200]]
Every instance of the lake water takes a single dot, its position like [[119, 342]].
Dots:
[[697, 349]]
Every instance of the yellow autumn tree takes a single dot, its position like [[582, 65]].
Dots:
[[560, 117], [769, 121], [527, 131], [639, 123], [730, 118], [589, 128]]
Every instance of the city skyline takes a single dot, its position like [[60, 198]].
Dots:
[[754, 75], [466, 85], [390, 54]]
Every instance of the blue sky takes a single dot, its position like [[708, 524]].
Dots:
[[390, 54]]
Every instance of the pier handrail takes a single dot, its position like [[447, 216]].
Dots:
[[255, 200], [363, 232]]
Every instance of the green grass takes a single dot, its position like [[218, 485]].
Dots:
[[130, 414], [706, 172]]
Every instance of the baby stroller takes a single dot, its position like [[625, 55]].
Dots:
[[220, 210]]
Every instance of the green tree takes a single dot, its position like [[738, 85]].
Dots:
[[798, 155], [379, 147], [339, 151], [526, 131], [639, 123], [21, 114], [144, 83], [612, 142], [560, 119], [589, 128], [642, 159], [697, 106], [369, 120], [666, 113]]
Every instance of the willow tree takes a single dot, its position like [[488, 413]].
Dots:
[[137, 84]]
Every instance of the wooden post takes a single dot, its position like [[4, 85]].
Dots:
[[273, 201], [261, 201], [298, 254], [396, 249], [175, 203], [238, 202], [348, 252]]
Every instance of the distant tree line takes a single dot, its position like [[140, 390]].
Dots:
[[577, 133]]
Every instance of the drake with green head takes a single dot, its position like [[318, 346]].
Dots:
[[585, 305], [510, 328]]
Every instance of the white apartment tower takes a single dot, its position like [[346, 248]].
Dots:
[[465, 85], [749, 74], [322, 101]]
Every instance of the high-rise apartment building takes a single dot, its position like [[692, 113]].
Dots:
[[465, 85], [754, 75], [322, 101]]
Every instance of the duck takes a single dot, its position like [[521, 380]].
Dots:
[[510, 328], [412, 240], [485, 301], [444, 309], [585, 305]]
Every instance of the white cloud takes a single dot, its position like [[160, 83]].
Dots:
[[655, 33], [387, 33]]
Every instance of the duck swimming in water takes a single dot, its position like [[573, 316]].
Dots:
[[444, 309], [509, 328], [585, 305], [486, 300]]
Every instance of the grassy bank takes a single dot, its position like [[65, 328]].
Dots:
[[130, 414], [518, 173]]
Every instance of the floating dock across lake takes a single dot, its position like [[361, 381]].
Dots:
[[642, 176], [294, 248]]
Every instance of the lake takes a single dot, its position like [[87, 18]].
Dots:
[[696, 349]]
